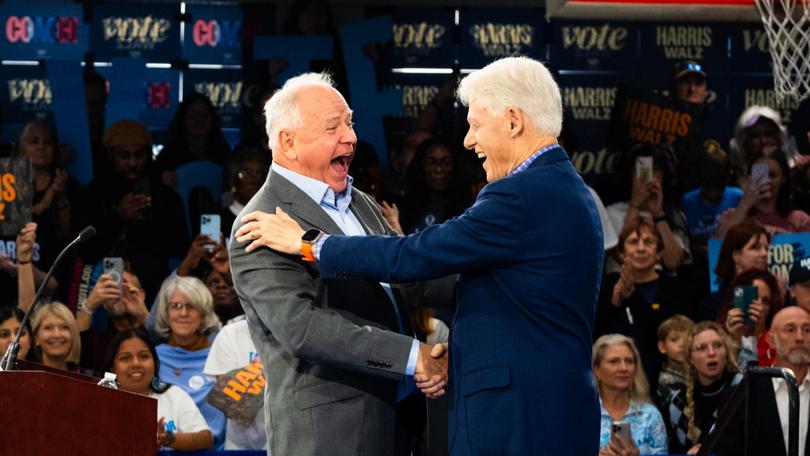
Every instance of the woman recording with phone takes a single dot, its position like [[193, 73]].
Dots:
[[624, 397], [746, 315]]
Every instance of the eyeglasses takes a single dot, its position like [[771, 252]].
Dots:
[[179, 306]]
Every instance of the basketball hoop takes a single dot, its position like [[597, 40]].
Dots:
[[787, 24]]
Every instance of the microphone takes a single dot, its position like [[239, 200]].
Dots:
[[9, 360]]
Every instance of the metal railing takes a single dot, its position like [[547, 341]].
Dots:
[[740, 398]]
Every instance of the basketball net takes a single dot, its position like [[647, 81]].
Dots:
[[787, 24]]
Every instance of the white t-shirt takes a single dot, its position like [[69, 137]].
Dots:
[[233, 349], [179, 412]]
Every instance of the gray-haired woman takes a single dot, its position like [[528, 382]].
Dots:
[[185, 316]]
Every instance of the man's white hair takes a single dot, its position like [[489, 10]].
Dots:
[[518, 82], [281, 110]]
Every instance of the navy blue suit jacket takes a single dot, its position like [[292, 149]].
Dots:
[[530, 253]]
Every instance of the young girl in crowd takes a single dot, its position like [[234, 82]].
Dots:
[[132, 358], [712, 376]]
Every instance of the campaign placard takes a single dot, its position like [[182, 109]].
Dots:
[[16, 194], [423, 38], [148, 31], [593, 45], [783, 252], [42, 31], [644, 117], [487, 35], [213, 35], [239, 394]]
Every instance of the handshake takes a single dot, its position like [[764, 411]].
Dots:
[[431, 369]]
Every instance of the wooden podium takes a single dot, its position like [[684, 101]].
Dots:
[[45, 413]]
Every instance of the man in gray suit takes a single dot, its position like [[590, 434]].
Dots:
[[334, 350]]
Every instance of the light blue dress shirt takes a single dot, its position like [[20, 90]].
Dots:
[[337, 208]]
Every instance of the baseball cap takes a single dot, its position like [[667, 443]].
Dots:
[[800, 272], [685, 67]]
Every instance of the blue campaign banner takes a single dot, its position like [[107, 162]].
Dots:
[[226, 90], [369, 104], [213, 35], [148, 31], [70, 116], [155, 95], [42, 31], [423, 38], [784, 251], [26, 96], [747, 90], [665, 44], [750, 50], [594, 45], [297, 51], [588, 101], [491, 34]]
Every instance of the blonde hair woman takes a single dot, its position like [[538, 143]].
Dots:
[[624, 395], [56, 337], [712, 376]]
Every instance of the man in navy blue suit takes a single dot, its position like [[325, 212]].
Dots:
[[529, 253]]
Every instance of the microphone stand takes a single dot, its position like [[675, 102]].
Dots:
[[9, 360]]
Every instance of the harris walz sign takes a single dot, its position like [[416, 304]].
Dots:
[[644, 117], [15, 195]]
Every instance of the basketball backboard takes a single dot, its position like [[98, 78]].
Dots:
[[695, 10]]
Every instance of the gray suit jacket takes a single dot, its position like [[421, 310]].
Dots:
[[330, 347]]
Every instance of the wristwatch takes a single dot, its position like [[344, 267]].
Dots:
[[308, 241], [168, 438]]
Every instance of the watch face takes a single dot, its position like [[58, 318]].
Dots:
[[311, 235]]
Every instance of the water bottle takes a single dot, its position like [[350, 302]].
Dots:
[[109, 381]]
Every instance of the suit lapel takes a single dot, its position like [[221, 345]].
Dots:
[[361, 209], [300, 206]]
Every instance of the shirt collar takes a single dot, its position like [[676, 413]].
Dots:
[[318, 191], [632, 410], [526, 163], [779, 383]]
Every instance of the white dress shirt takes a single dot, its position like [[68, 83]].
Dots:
[[781, 393]]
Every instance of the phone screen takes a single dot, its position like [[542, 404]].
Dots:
[[644, 168], [210, 225], [743, 297], [759, 172]]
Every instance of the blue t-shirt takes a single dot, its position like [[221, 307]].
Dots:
[[702, 219], [185, 369]]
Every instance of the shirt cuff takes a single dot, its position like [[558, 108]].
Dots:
[[316, 249], [410, 369]]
